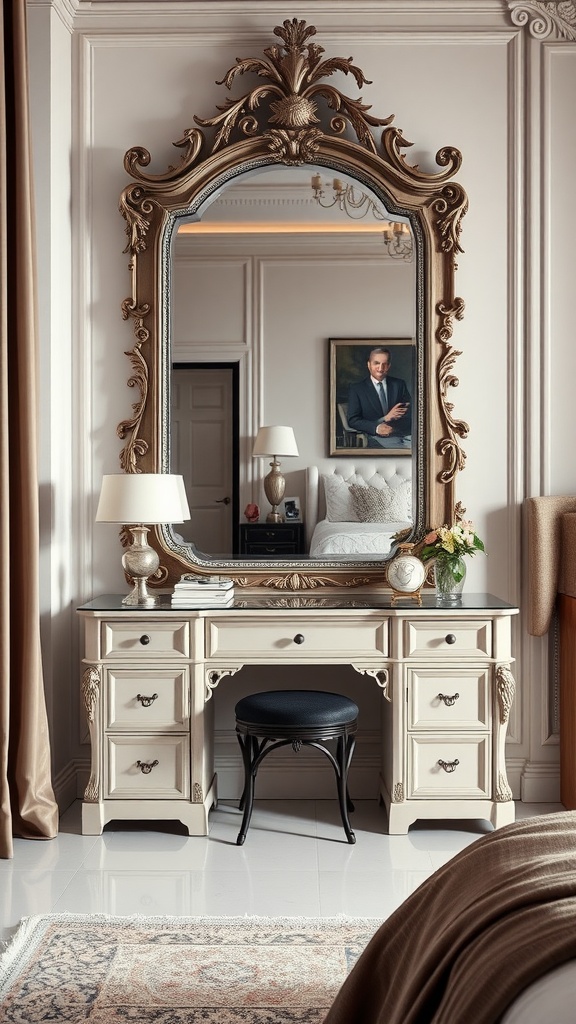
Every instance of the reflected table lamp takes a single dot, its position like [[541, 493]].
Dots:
[[135, 499], [275, 441]]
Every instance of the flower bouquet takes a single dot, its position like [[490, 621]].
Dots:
[[448, 546]]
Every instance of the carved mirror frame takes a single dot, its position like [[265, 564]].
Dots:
[[292, 127]]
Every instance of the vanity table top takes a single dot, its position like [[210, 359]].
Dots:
[[310, 602]]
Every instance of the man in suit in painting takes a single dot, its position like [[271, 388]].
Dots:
[[379, 405]]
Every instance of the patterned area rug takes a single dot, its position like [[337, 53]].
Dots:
[[160, 970]]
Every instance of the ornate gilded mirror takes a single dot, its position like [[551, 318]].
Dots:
[[283, 121]]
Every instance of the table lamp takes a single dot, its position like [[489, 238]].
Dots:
[[133, 499], [275, 441]]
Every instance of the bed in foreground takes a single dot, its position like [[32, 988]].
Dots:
[[489, 937]]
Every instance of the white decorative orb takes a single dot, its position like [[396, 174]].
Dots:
[[406, 573]]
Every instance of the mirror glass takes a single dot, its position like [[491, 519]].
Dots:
[[279, 271]]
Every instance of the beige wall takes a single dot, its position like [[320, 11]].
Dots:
[[458, 74]]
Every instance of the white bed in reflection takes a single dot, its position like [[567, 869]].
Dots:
[[356, 507]]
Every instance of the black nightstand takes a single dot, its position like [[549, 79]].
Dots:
[[266, 539]]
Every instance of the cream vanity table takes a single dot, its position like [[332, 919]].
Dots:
[[150, 677], [445, 675]]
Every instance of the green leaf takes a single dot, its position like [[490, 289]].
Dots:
[[428, 551]]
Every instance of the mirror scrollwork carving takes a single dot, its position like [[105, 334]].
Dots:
[[294, 116]]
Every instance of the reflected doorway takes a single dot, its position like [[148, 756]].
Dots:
[[204, 449]]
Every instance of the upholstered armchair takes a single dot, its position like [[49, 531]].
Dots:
[[552, 585], [551, 557]]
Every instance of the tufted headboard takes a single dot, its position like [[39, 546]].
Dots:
[[393, 471]]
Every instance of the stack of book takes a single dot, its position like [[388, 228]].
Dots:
[[203, 592]]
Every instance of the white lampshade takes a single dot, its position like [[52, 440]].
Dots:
[[142, 498], [275, 441]]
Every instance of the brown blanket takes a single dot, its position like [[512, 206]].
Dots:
[[474, 934]]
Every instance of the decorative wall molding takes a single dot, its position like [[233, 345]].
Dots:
[[544, 18], [64, 9], [540, 782]]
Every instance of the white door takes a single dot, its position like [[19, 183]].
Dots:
[[202, 430]]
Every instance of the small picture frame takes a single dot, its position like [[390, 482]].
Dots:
[[291, 510]]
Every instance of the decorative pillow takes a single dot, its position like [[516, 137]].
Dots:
[[339, 505], [382, 505]]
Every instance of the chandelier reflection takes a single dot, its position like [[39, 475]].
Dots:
[[355, 204]]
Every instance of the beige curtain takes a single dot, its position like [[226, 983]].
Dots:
[[27, 806]]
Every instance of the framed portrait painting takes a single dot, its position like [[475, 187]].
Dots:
[[371, 400]]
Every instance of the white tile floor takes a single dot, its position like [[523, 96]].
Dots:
[[295, 862]]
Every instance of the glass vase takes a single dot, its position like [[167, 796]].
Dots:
[[450, 576]]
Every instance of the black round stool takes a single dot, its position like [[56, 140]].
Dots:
[[278, 718]]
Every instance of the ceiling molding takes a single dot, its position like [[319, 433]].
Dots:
[[542, 18], [243, 18]]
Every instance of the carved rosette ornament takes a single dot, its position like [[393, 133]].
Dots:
[[292, 114], [545, 17]]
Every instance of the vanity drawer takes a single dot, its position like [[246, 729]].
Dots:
[[468, 778], [328, 638], [451, 639], [145, 699], [146, 639], [449, 698], [167, 757]]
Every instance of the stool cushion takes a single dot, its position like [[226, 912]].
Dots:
[[286, 708]]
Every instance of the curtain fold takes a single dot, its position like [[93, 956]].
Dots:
[[27, 805]]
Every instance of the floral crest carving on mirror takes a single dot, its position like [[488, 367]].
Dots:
[[283, 120]]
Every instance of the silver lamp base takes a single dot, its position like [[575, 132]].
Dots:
[[140, 562]]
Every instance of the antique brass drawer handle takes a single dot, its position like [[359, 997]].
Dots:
[[449, 766], [146, 766], [146, 701], [448, 700]]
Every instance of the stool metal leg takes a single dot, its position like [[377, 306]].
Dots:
[[344, 753], [252, 754], [249, 746]]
